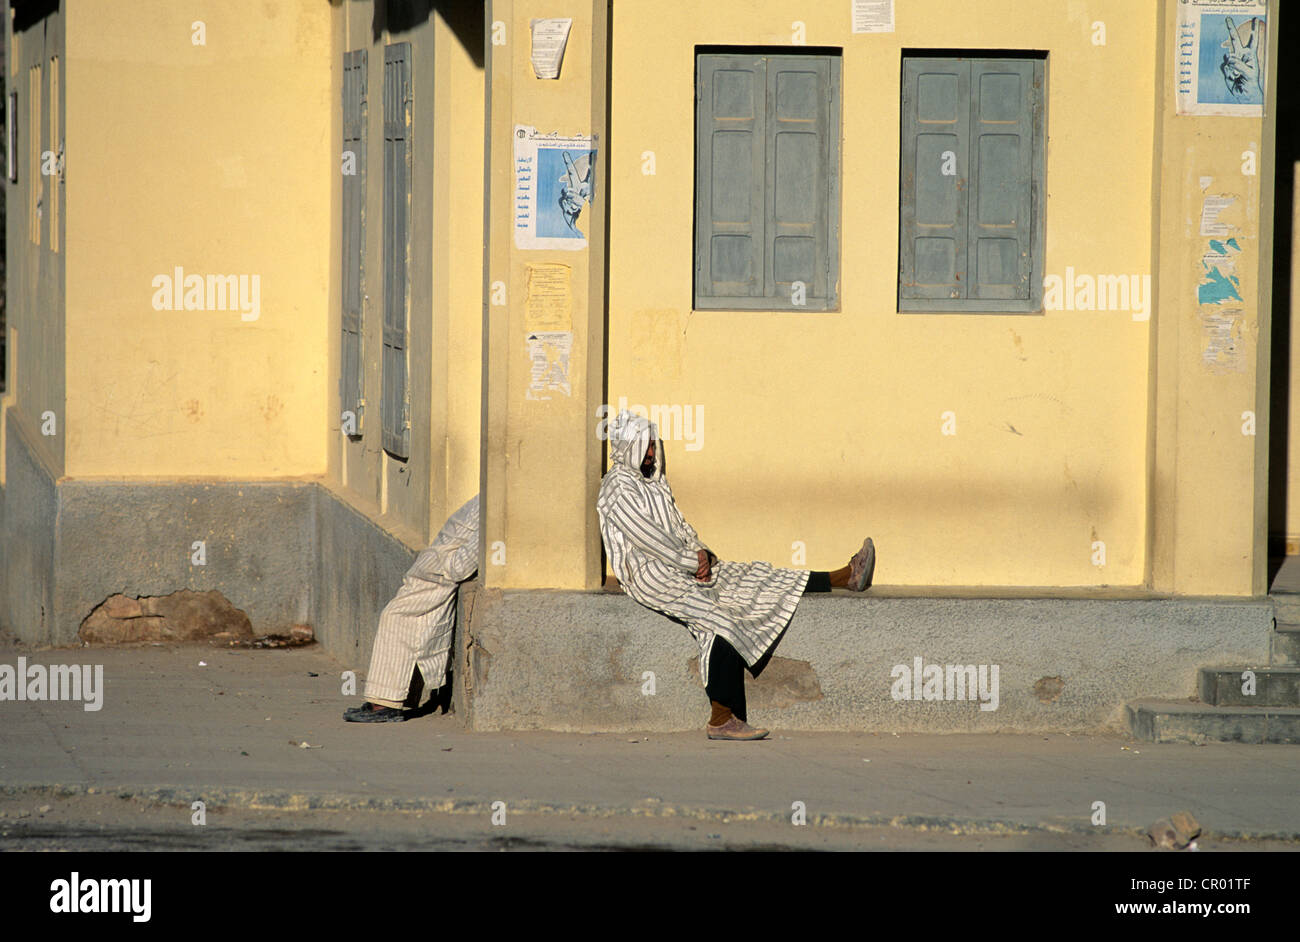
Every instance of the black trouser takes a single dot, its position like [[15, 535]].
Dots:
[[727, 677], [818, 582], [726, 683]]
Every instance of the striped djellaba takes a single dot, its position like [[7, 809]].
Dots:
[[653, 552], [415, 627]]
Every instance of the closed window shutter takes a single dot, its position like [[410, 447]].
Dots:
[[56, 179], [730, 179], [933, 205], [397, 196], [352, 371], [1001, 173], [802, 150], [35, 179]]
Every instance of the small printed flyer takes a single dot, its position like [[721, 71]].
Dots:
[[1219, 59], [554, 182]]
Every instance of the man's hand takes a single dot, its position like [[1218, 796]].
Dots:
[[705, 571], [1240, 65]]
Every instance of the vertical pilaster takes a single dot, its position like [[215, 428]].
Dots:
[[541, 461]]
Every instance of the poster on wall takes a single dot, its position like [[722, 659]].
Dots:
[[555, 180], [1219, 59], [548, 356], [549, 39], [872, 16]]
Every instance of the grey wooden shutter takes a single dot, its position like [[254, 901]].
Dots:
[[1001, 175], [730, 179], [352, 369], [397, 198], [802, 151], [933, 205]]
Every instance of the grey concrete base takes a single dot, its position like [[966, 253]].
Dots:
[[30, 508], [1286, 606], [1284, 646], [138, 539], [1180, 721], [1272, 687], [68, 545], [359, 568], [583, 661]]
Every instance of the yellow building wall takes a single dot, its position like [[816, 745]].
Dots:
[[412, 498], [458, 271], [210, 157], [826, 428]]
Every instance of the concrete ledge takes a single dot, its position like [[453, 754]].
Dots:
[[579, 661], [1274, 687], [1286, 605], [1284, 650], [1180, 721], [358, 568]]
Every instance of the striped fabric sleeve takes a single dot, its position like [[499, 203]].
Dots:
[[647, 536], [689, 536]]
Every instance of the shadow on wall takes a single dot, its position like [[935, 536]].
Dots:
[[1287, 154], [465, 20], [27, 13]]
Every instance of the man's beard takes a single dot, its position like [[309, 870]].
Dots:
[[648, 466]]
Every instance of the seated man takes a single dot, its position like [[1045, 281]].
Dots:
[[736, 611], [415, 627]]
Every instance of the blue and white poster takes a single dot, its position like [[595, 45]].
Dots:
[[1220, 57], [555, 180]]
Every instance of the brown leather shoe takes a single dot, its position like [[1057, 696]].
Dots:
[[862, 566], [735, 729]]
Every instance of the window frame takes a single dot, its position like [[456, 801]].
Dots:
[[781, 300], [353, 199], [398, 126], [1037, 122], [36, 179]]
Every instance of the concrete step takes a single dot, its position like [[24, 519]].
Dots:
[[594, 661], [1229, 686], [1286, 607], [1284, 645], [1185, 721]]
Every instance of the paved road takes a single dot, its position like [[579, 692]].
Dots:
[[230, 733]]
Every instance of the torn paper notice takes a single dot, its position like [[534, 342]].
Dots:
[[555, 180], [549, 306], [549, 352], [549, 39], [1222, 349], [873, 16], [1219, 57], [1219, 282], [1211, 208]]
